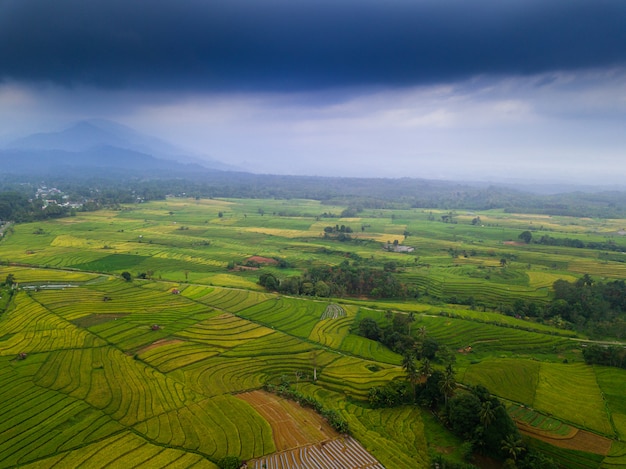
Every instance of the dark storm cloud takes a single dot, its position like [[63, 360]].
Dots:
[[301, 44]]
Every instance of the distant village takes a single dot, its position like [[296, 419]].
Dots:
[[54, 196]]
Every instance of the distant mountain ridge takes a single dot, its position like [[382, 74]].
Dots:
[[100, 143]]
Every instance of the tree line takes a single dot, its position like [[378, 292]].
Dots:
[[548, 240], [345, 279], [607, 355], [123, 186], [15, 206]]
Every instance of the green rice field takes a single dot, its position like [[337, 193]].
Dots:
[[99, 371]]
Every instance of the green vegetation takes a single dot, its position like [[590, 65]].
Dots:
[[133, 329]]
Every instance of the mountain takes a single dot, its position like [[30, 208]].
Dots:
[[87, 142]]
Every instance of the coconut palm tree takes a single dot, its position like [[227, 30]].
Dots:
[[409, 366], [487, 414], [426, 369], [447, 383], [410, 320], [513, 446]]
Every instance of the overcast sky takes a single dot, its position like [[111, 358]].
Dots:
[[481, 89]]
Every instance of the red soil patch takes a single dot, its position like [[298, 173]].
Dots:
[[292, 425], [262, 260], [159, 343], [513, 243]]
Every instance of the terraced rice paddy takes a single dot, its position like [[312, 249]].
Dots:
[[95, 369], [488, 338], [184, 239], [157, 372], [572, 391], [515, 380], [558, 434]]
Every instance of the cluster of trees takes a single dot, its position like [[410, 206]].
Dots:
[[9, 280], [395, 334], [229, 462], [586, 305], [18, 207], [340, 233], [481, 419], [594, 307], [611, 355], [471, 412], [6, 291], [346, 279], [548, 240], [294, 285]]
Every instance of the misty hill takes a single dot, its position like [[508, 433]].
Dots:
[[103, 159], [93, 142], [107, 157]]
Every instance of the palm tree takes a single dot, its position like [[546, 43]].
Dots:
[[447, 383], [422, 332], [487, 414], [513, 446], [411, 320], [426, 369], [409, 366]]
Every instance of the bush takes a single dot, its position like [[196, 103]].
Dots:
[[229, 462]]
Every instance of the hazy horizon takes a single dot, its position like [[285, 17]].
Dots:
[[515, 91]]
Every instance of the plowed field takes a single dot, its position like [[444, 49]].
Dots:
[[303, 438]]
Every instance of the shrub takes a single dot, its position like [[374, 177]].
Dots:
[[229, 462]]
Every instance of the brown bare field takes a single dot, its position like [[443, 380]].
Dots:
[[262, 260], [303, 438], [579, 440], [538, 432], [158, 343], [292, 425]]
